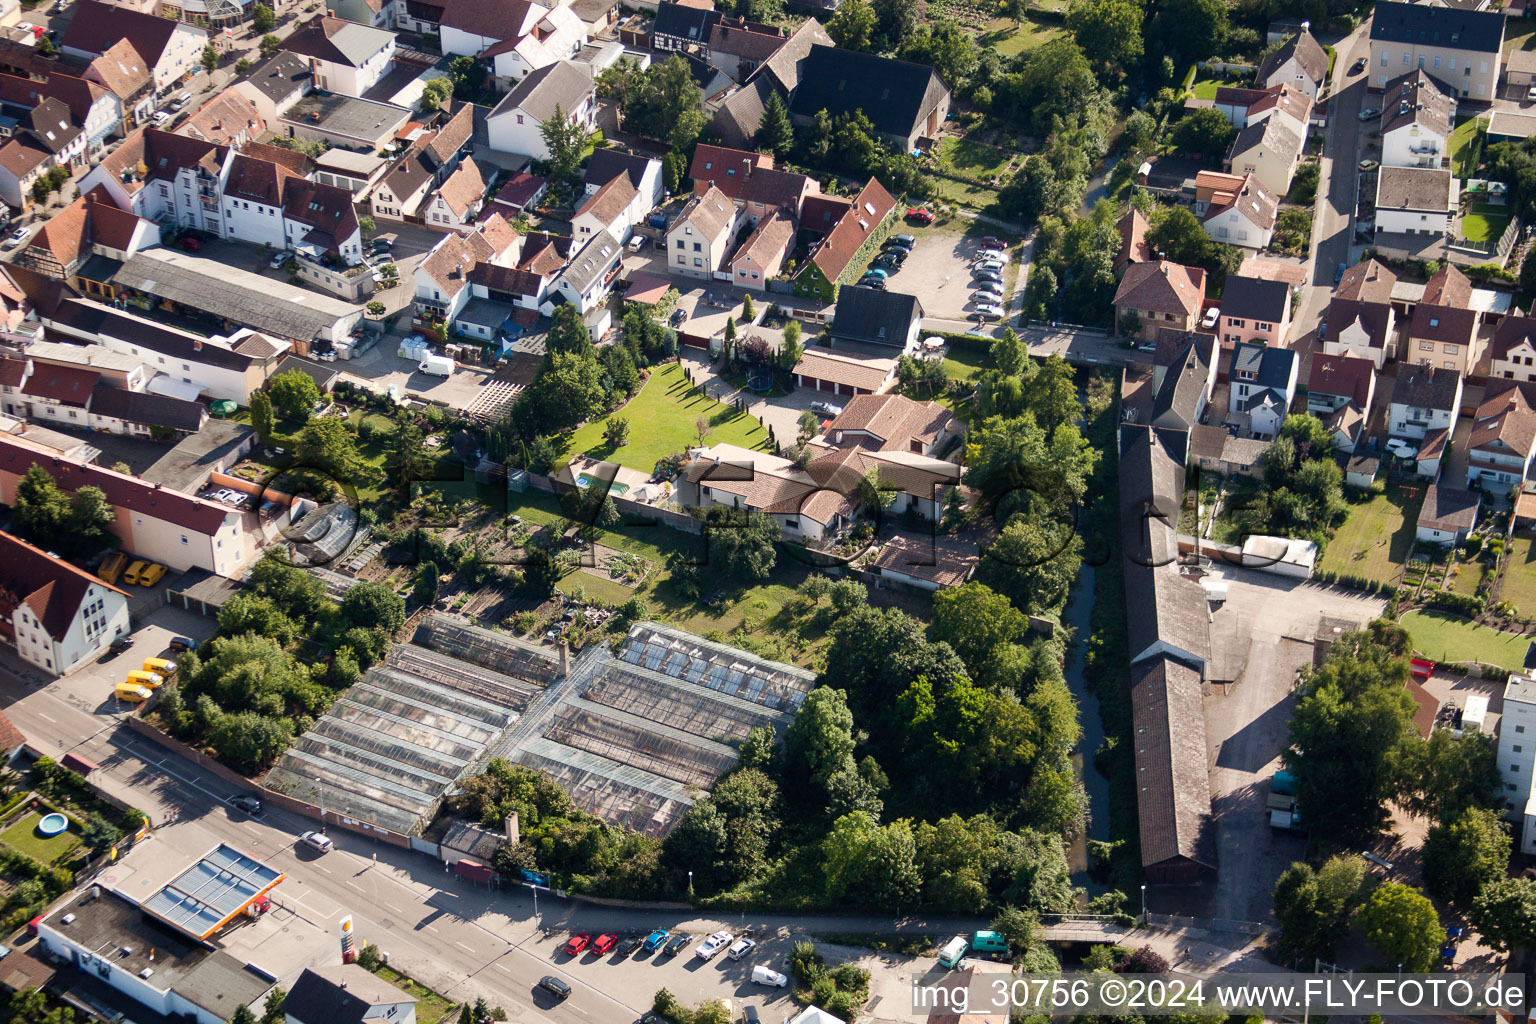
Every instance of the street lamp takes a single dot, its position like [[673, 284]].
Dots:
[[690, 884], [1143, 904], [320, 799]]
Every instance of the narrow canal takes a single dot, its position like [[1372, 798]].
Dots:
[[1079, 612]]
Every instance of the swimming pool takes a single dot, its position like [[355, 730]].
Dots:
[[587, 480]]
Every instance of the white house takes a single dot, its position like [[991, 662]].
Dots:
[[469, 27], [702, 234], [442, 278], [1503, 439], [1300, 62], [458, 199], [1417, 114], [1269, 150], [55, 614], [1263, 382], [516, 124], [346, 994], [1424, 399], [1447, 516], [586, 279], [1513, 351], [558, 35], [613, 208], [164, 177], [1415, 200], [1243, 215], [171, 49], [344, 56], [1517, 757]]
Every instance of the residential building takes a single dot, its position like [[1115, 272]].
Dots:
[[680, 28], [520, 192], [847, 228], [1340, 392], [442, 278], [171, 50], [1133, 240], [1300, 62], [1254, 310], [1239, 211], [406, 190], [740, 114], [1417, 114], [350, 122], [586, 279], [516, 124], [1425, 399], [1361, 320], [702, 234], [728, 170], [458, 200], [877, 317], [84, 244], [230, 118], [738, 47], [343, 56], [614, 208], [762, 255], [346, 994], [1160, 294], [42, 138], [1517, 757], [1447, 516], [1269, 150], [891, 423], [1444, 328], [1263, 383], [1503, 439], [1513, 352], [170, 179], [905, 102], [123, 73], [93, 108], [1182, 388], [645, 174], [547, 36], [275, 85], [178, 530], [1460, 48], [54, 614], [1244, 108]]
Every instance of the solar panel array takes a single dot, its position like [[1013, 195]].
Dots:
[[211, 891]]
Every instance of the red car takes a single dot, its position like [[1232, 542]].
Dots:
[[604, 943], [920, 216], [993, 242], [577, 943], [191, 243]]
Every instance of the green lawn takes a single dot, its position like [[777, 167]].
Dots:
[[661, 422], [965, 364], [1462, 150], [1011, 39], [1376, 537], [1519, 34], [1446, 637], [430, 1007], [971, 159], [972, 197], [24, 838], [1485, 223], [1519, 586]]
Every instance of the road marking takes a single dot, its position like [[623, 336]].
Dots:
[[396, 909], [48, 718], [429, 928], [326, 870], [500, 968], [461, 945]]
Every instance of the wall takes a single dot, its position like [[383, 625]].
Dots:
[[354, 289]]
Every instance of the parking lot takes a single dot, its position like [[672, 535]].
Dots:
[[939, 270], [90, 688]]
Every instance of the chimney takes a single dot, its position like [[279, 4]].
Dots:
[[565, 659], [511, 828]]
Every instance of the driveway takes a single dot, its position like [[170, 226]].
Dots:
[[781, 413], [939, 269]]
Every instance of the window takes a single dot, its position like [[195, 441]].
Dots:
[[1406, 59], [697, 247], [698, 262], [1518, 748], [1515, 768], [1453, 64], [680, 243], [1239, 323], [1452, 350], [1383, 58], [1260, 325], [519, 118], [1426, 346], [1437, 62], [681, 259], [1519, 728], [1434, 321]]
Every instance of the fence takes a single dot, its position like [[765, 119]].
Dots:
[[1500, 248], [1210, 924]]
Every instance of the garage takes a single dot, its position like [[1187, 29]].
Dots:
[[844, 375]]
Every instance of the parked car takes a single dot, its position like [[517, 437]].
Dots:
[[989, 258], [151, 574], [1357, 67], [191, 243], [889, 264], [740, 948], [988, 309], [161, 118], [637, 242], [121, 644], [1369, 165], [678, 943], [1211, 316], [678, 318], [1338, 275], [629, 945], [993, 242], [131, 574], [876, 272], [317, 841], [280, 260], [920, 216], [557, 989], [906, 241], [15, 238], [249, 804], [767, 976], [826, 409], [577, 943], [1368, 113], [872, 282], [603, 944], [987, 275], [713, 945], [656, 939]]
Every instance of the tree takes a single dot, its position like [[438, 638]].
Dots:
[[269, 45], [243, 1015], [853, 26], [975, 620], [775, 134], [701, 429], [405, 459], [566, 139], [656, 100], [373, 606], [375, 309], [1032, 562], [1204, 133], [327, 445], [41, 509], [262, 19], [243, 66], [616, 431], [100, 835], [567, 333], [294, 394], [741, 542], [898, 20], [435, 93], [1465, 854], [1109, 31], [1504, 913], [866, 865], [272, 1009], [1314, 907], [424, 590], [1450, 775], [210, 59], [367, 225], [1188, 30], [1401, 923], [91, 518], [468, 76], [819, 741]]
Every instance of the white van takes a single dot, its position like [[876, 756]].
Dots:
[[954, 951], [766, 976]]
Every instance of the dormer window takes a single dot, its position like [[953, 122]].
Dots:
[[1434, 321]]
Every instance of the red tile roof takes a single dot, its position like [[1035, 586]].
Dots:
[[868, 211], [1344, 375], [64, 384], [51, 587], [729, 170]]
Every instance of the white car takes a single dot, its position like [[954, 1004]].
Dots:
[[161, 119], [1530, 94], [281, 260], [989, 309], [989, 259], [768, 976], [1211, 316], [741, 948], [15, 238], [318, 841], [713, 945]]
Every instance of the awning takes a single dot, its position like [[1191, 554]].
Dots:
[[187, 391]]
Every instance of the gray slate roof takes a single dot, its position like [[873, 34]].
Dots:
[[1253, 298], [562, 84], [1271, 367], [874, 315], [339, 994], [1177, 403], [1428, 24]]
